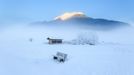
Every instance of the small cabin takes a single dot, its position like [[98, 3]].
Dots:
[[54, 41], [60, 57]]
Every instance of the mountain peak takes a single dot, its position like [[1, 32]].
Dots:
[[69, 15]]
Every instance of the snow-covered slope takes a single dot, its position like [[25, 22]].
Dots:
[[69, 15], [112, 56]]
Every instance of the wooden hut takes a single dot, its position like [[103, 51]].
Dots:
[[54, 41]]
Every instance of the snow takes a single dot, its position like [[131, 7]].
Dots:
[[69, 15], [18, 56]]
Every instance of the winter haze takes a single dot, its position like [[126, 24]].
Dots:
[[97, 36]]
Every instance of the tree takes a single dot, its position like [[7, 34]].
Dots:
[[86, 38]]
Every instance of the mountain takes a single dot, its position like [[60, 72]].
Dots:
[[79, 19]]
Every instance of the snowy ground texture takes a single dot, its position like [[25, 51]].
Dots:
[[114, 55]]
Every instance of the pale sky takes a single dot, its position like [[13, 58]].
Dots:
[[39, 10]]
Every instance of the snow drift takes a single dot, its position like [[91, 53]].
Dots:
[[112, 56]]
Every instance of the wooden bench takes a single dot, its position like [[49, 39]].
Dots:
[[61, 57]]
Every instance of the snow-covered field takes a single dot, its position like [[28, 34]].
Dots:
[[114, 55]]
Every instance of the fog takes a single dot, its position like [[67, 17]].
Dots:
[[26, 31]]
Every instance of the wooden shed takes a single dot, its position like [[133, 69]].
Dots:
[[54, 41]]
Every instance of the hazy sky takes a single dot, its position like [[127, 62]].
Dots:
[[39, 10]]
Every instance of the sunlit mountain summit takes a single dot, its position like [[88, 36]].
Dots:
[[69, 15]]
